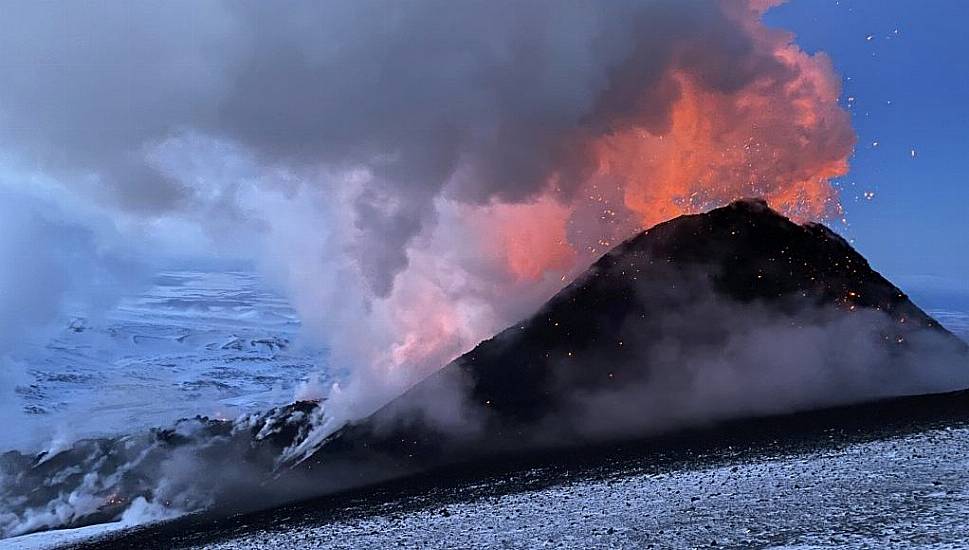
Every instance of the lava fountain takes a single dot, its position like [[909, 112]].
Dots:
[[700, 111]]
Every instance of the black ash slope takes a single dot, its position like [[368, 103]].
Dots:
[[739, 307]]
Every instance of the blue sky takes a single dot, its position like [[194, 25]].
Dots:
[[905, 65]]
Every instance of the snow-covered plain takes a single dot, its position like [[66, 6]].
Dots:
[[216, 344]]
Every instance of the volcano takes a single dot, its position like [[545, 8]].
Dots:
[[735, 312], [708, 318]]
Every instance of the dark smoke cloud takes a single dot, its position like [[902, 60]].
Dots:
[[88, 85], [485, 99]]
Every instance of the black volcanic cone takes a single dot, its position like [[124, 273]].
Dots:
[[640, 342]]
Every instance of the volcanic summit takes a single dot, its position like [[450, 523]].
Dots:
[[735, 312]]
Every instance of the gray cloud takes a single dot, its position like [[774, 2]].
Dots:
[[487, 99]]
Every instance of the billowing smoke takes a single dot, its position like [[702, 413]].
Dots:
[[59, 260], [753, 359], [418, 174]]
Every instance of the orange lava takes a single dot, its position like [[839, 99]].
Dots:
[[781, 136], [529, 238]]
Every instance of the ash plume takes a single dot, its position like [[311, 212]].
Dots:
[[431, 160]]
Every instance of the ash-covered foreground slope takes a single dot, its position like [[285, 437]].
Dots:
[[735, 313]]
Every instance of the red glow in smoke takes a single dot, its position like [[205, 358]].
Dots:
[[781, 135], [530, 239]]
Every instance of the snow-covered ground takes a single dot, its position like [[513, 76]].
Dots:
[[52, 539], [216, 344], [904, 492]]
